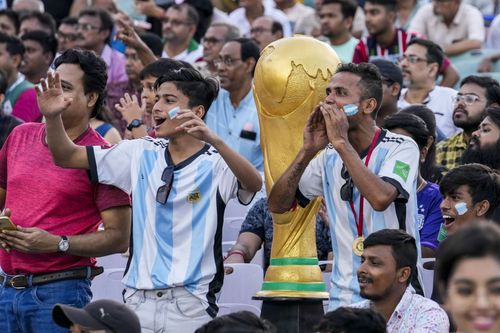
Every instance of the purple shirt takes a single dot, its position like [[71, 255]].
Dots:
[[429, 216]]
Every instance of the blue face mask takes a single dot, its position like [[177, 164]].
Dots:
[[350, 109]]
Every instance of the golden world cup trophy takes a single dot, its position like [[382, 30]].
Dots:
[[290, 79]]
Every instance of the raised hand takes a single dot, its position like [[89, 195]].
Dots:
[[195, 126], [336, 124], [50, 97], [126, 33], [315, 136], [130, 109]]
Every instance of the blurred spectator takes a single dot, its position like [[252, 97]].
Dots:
[[40, 52], [392, 83], [9, 22], [25, 6], [257, 231], [429, 218], [213, 41], [101, 123], [20, 97], [37, 21], [455, 26], [265, 30], [420, 65], [336, 18], [406, 12], [7, 123], [233, 114], [467, 275], [251, 9], [475, 95], [470, 191], [388, 265], [67, 34], [352, 320], [179, 27], [95, 27], [493, 38], [99, 316], [486, 7], [484, 146], [294, 10], [387, 41], [241, 322]]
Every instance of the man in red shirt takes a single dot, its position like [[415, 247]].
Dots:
[[49, 258], [388, 42]]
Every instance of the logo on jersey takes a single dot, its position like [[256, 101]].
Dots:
[[401, 169], [194, 196]]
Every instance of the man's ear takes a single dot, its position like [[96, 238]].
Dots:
[[434, 69], [17, 59], [105, 34], [369, 105], [395, 89], [481, 208], [92, 99], [199, 111], [250, 63], [404, 274]]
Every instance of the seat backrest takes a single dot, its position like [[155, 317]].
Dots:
[[428, 277], [242, 284], [108, 285], [227, 308]]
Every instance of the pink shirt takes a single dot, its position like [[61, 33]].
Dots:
[[41, 194], [26, 107]]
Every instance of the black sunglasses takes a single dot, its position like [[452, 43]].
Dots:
[[346, 191], [164, 190]]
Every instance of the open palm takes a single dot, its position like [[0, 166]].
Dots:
[[315, 135], [50, 97]]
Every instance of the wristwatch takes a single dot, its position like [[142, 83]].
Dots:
[[63, 244], [134, 124]]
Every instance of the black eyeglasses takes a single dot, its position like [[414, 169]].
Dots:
[[163, 191], [346, 191]]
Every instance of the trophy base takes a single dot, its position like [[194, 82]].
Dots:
[[292, 314]]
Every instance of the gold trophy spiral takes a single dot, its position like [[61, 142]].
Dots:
[[290, 79]]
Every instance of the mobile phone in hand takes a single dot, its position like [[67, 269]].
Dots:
[[6, 223]]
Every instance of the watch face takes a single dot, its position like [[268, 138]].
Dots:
[[63, 245]]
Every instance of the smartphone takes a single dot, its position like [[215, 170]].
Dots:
[[6, 223]]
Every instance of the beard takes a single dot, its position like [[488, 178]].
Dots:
[[488, 155]]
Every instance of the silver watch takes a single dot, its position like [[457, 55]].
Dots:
[[63, 244]]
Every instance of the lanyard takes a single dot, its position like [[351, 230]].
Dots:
[[359, 222]]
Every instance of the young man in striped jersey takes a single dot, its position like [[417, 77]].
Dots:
[[179, 186], [367, 175]]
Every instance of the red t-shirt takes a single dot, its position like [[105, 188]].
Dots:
[[41, 194]]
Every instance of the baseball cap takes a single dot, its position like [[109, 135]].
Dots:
[[388, 70], [102, 314]]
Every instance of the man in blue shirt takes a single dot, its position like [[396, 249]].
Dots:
[[233, 115]]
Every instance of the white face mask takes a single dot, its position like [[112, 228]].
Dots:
[[350, 109]]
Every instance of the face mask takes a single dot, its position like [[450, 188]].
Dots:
[[350, 109]]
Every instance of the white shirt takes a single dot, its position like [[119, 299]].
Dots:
[[467, 24], [394, 159], [440, 101], [239, 19], [297, 12], [177, 243]]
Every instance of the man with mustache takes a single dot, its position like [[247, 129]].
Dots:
[[475, 95], [387, 265]]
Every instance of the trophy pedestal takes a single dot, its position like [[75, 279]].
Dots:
[[292, 315]]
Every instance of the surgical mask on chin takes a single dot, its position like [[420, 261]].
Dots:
[[350, 109]]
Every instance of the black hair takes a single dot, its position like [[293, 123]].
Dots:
[[48, 42], [13, 17], [276, 27], [428, 170], [45, 19], [483, 183], [199, 90], [249, 49], [161, 67], [488, 83], [435, 53], [412, 124], [13, 44], [404, 248], [476, 240], [153, 42], [191, 13], [94, 73], [237, 322], [390, 5], [232, 31], [3, 82], [70, 20], [494, 114], [370, 82], [352, 320], [105, 18], [348, 7]]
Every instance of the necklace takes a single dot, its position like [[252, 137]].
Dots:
[[421, 186]]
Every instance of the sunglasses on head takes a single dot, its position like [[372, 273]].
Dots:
[[163, 191], [347, 190]]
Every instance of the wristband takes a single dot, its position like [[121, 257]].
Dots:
[[230, 253]]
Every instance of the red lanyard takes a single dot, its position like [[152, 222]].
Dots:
[[359, 223]]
